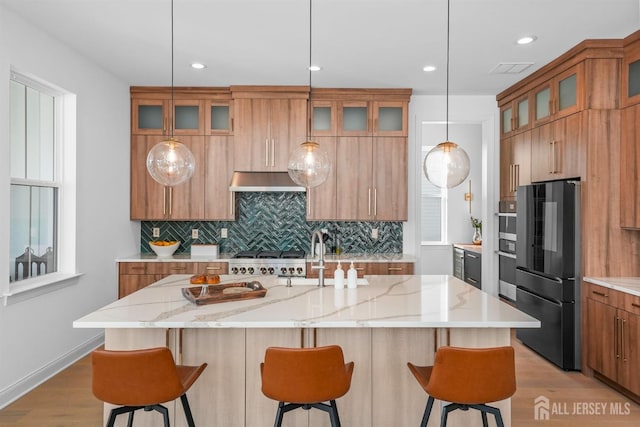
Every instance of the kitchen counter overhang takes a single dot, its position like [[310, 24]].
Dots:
[[435, 301]]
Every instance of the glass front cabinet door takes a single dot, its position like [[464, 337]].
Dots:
[[559, 97]]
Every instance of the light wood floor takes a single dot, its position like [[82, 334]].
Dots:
[[66, 400]]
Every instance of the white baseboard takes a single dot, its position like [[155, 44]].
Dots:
[[28, 383]]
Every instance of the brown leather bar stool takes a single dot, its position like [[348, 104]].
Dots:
[[306, 378], [142, 379], [469, 378]]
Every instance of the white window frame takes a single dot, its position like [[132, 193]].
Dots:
[[65, 181], [424, 149]]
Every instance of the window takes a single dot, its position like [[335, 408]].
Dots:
[[433, 210], [36, 130]]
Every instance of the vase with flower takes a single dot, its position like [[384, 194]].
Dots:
[[477, 231]]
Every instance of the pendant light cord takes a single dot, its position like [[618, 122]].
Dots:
[[310, 109], [447, 97], [172, 100]]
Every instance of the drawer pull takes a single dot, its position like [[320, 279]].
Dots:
[[472, 280], [633, 304], [394, 269], [471, 256], [602, 294], [213, 268]]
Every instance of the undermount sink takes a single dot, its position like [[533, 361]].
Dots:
[[304, 281]]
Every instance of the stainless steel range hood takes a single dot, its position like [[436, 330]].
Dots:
[[263, 181]]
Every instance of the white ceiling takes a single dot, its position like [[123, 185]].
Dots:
[[359, 43]]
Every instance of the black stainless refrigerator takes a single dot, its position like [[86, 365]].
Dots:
[[548, 269]]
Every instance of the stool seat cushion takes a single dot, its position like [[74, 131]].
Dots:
[[305, 375]]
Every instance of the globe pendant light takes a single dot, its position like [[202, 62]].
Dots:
[[447, 164], [309, 164], [170, 162]]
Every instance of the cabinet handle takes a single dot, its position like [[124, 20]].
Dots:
[[213, 268], [231, 203], [273, 152], [624, 357], [359, 268], [266, 152], [601, 294], [471, 255], [616, 338], [472, 280], [137, 268], [516, 177], [555, 160], [510, 178], [633, 304], [164, 201], [231, 124], [375, 202], [369, 203], [170, 201], [549, 155], [394, 269]]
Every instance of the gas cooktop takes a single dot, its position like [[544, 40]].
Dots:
[[282, 263]]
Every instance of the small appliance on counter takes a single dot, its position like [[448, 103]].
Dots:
[[209, 251], [547, 265]]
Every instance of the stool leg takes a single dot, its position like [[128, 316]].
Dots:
[[484, 419], [498, 416], [333, 414], [130, 422], [165, 414], [279, 414], [427, 412], [187, 410]]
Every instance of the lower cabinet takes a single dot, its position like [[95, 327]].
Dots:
[[364, 268], [133, 276], [473, 268], [613, 328]]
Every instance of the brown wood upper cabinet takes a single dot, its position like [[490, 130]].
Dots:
[[515, 164], [153, 201], [515, 116], [556, 151], [196, 111], [630, 167], [269, 123], [630, 86], [359, 112], [372, 179], [559, 97]]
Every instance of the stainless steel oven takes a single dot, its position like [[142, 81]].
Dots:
[[507, 254]]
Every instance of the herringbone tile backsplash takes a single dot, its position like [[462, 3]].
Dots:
[[275, 221]]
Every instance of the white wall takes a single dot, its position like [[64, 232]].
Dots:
[[480, 110], [36, 333]]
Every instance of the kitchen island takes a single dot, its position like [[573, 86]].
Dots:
[[380, 326]]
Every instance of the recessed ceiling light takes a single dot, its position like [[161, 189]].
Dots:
[[198, 66], [526, 39], [315, 68], [429, 68]]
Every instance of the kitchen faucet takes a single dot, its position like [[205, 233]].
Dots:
[[318, 235]]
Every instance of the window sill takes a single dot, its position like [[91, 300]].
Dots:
[[31, 288]]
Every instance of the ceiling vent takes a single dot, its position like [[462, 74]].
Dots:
[[510, 67]]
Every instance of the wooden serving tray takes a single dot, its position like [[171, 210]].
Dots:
[[213, 294]]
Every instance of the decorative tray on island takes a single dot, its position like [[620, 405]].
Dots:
[[213, 294]]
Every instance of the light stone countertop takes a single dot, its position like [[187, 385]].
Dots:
[[469, 247], [629, 285], [430, 301]]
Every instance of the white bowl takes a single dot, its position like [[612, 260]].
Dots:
[[164, 251]]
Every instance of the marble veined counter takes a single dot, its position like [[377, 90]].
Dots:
[[431, 301], [629, 285], [380, 327]]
